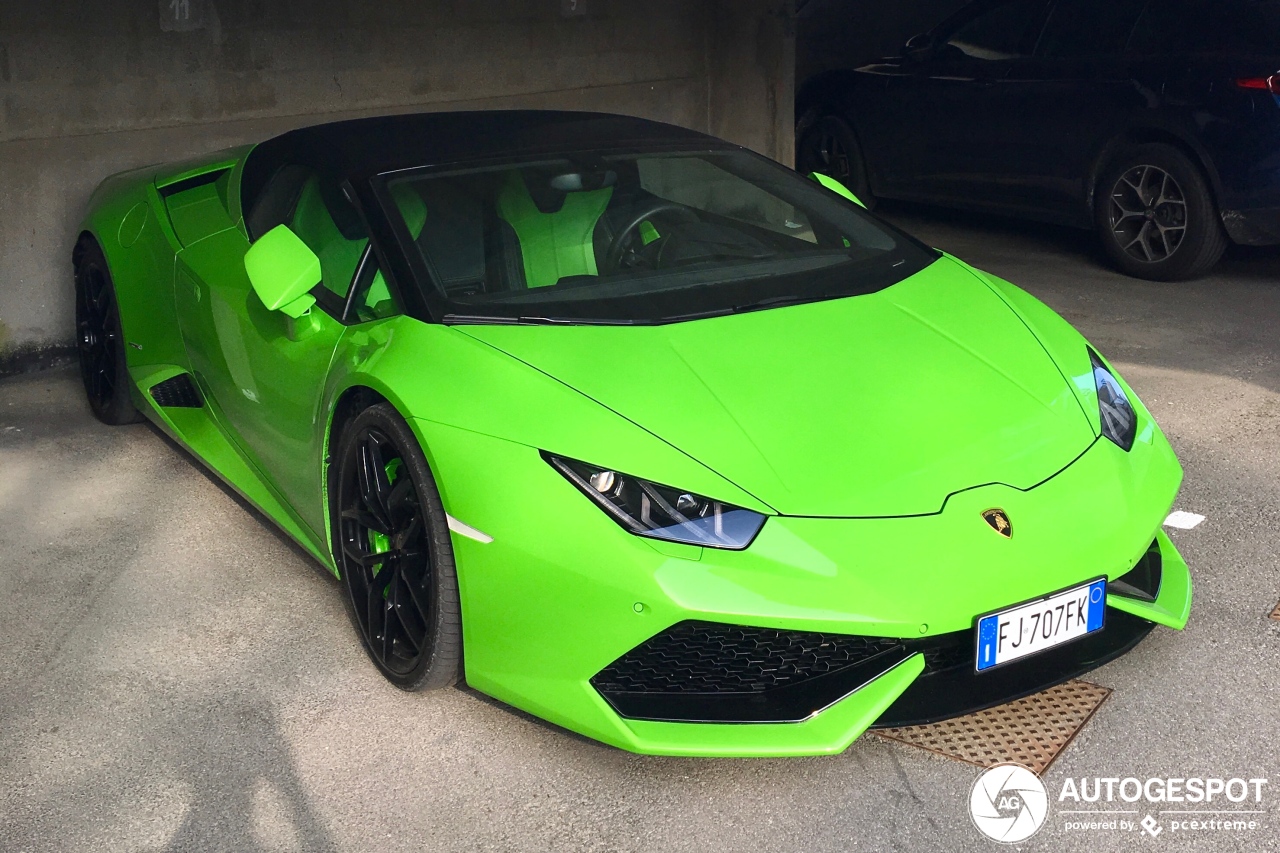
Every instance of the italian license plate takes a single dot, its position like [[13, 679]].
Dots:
[[1036, 626]]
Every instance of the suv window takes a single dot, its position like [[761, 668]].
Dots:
[[1086, 29], [1004, 32], [1208, 26]]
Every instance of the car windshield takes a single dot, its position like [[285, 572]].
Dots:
[[638, 238]]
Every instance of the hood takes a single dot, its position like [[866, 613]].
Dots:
[[867, 406]]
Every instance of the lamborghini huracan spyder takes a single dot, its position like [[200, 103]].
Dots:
[[647, 435]]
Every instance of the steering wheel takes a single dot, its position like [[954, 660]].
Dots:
[[613, 257]]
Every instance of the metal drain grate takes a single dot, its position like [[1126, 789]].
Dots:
[[1031, 731], [1275, 614]]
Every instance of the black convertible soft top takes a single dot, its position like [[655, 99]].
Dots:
[[347, 153], [357, 148]]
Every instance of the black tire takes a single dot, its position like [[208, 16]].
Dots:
[[826, 144], [1155, 215], [404, 607], [100, 339]]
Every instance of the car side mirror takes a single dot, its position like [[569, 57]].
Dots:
[[836, 187], [282, 269], [920, 46]]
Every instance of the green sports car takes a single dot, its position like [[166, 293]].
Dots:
[[634, 429]]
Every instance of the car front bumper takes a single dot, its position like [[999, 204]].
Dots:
[[561, 592]]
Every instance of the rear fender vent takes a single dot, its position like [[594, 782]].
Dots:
[[178, 392]]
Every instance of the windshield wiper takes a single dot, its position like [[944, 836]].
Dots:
[[478, 320], [759, 305], [487, 320], [779, 301]]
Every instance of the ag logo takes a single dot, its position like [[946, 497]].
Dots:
[[999, 521], [1008, 803]]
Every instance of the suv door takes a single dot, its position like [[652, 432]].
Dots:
[[1063, 103], [936, 121]]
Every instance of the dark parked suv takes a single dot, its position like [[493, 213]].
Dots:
[[1156, 122]]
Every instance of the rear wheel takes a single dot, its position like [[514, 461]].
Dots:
[[827, 145], [1156, 216], [99, 339], [391, 539]]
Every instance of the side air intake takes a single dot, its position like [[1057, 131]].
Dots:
[[177, 393]]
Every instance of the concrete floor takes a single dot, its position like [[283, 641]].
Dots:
[[176, 676]]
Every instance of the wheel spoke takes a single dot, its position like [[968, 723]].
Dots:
[[388, 641], [1145, 183], [401, 497], [1144, 237], [1174, 231], [376, 617], [103, 300], [1141, 241], [88, 302], [417, 597], [413, 625], [95, 383], [374, 486], [365, 519], [1125, 213], [410, 534], [365, 559]]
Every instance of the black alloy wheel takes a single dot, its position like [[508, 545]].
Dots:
[[391, 540], [1148, 213], [100, 340], [827, 145], [1156, 216]]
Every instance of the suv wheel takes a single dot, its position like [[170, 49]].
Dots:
[[826, 144], [1156, 216]]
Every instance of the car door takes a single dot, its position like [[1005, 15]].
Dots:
[[263, 371], [1062, 103], [939, 126]]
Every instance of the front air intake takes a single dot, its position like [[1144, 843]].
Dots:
[[1143, 580], [710, 672]]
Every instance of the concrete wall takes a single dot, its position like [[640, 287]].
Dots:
[[88, 89]]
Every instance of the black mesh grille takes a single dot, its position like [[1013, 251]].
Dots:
[[177, 393], [946, 651], [705, 657]]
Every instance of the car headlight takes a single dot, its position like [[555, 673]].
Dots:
[[661, 512], [1119, 421]]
